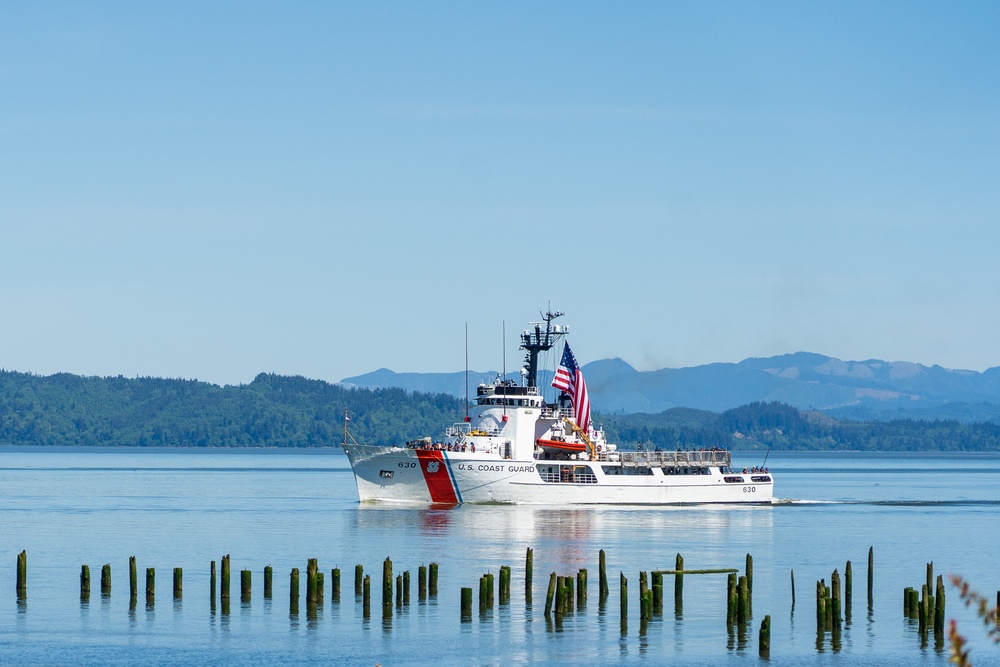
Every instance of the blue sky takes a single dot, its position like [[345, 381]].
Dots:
[[212, 190]]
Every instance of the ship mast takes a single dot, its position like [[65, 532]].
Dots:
[[537, 341]]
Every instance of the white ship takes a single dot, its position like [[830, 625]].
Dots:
[[514, 447]]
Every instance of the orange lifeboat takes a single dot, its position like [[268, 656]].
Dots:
[[561, 445]]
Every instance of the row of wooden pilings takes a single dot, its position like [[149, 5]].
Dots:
[[565, 594]]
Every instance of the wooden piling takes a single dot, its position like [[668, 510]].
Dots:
[[678, 581], [133, 580], [359, 577], [836, 594], [225, 576], [820, 606], [268, 581], [150, 585], [432, 580], [732, 599], [406, 588], [581, 588], [85, 583], [312, 581], [211, 584], [335, 585], [529, 566], [399, 591], [421, 583], [466, 604], [293, 585], [793, 590], [106, 579], [764, 638], [743, 600], [550, 594], [939, 612], [387, 584], [848, 589], [871, 576], [505, 584], [245, 585], [749, 574], [366, 596], [484, 595], [560, 603], [22, 575], [602, 577], [320, 587], [624, 596], [178, 583]]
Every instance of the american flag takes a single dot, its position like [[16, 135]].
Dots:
[[569, 379]]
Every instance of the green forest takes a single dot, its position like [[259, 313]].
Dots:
[[283, 411]]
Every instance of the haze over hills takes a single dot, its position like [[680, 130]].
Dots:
[[864, 390]]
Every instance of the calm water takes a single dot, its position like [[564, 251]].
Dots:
[[185, 508]]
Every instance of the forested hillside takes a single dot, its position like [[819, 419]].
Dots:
[[271, 411], [281, 411]]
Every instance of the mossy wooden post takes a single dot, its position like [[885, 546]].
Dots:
[[366, 596], [106, 580], [150, 585], [320, 587], [656, 584], [939, 607], [22, 575], [211, 585], [871, 577], [406, 588], [906, 601], [732, 599], [848, 589], [466, 604], [836, 595], [569, 600], [399, 591], [560, 603], [422, 583], [764, 639], [133, 580], [268, 582], [245, 581], [930, 578], [922, 613], [679, 582], [749, 586], [225, 577], [387, 586], [820, 606], [743, 601], [85, 583], [359, 577], [178, 583], [432, 580], [602, 576], [293, 591], [335, 585], [505, 584], [581, 588], [529, 567], [484, 596], [624, 595], [793, 590], [550, 593], [312, 568]]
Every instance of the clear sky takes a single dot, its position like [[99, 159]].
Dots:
[[211, 190]]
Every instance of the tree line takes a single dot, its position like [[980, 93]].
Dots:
[[292, 411]]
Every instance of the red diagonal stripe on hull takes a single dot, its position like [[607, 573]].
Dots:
[[438, 481]]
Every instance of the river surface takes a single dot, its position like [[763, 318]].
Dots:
[[185, 508]]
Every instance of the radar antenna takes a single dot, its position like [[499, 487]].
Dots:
[[538, 340]]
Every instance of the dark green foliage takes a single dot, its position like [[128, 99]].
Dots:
[[271, 411], [782, 427]]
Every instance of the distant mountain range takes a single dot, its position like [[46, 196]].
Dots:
[[859, 390]]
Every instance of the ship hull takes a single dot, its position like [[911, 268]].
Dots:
[[406, 475]]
